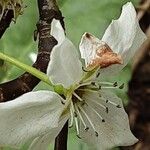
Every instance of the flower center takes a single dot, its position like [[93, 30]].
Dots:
[[78, 104]]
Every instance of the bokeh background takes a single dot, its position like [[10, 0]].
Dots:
[[80, 16]]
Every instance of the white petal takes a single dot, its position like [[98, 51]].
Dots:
[[33, 56], [65, 67], [28, 116], [115, 131], [42, 142], [88, 46], [57, 31], [97, 53], [124, 37]]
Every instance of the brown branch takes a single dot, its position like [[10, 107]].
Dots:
[[61, 139], [26, 82], [5, 21]]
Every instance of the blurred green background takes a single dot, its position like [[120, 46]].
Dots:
[[80, 16]]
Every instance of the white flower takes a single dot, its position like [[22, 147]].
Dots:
[[97, 113]]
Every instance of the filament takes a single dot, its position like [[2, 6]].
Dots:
[[92, 125], [104, 107], [113, 103], [78, 97], [81, 118], [77, 125], [71, 118], [97, 113]]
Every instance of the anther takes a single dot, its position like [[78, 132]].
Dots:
[[78, 136], [103, 120], [63, 102], [98, 74], [75, 114], [115, 84], [121, 86], [86, 129], [107, 100], [118, 106], [84, 69], [99, 95], [107, 110], [96, 133], [99, 87], [93, 83], [83, 103]]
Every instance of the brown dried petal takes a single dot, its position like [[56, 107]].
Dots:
[[105, 57]]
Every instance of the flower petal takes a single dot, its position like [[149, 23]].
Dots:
[[115, 131], [97, 53], [42, 142], [65, 67], [124, 36], [57, 31], [29, 116]]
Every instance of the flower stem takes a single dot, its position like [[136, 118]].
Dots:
[[42, 76]]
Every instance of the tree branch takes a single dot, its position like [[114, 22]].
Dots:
[[5, 21], [61, 139], [26, 82]]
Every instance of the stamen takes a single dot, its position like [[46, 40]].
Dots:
[[78, 97], [71, 118], [121, 86], [81, 118], [104, 107], [92, 125], [95, 84], [84, 84], [109, 87], [84, 69], [109, 83], [97, 113], [114, 86], [113, 103], [87, 90], [63, 101], [77, 125], [98, 74]]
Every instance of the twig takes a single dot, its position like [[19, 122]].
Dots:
[[27, 82], [5, 21], [61, 140]]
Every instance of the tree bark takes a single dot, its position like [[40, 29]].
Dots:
[[26, 82]]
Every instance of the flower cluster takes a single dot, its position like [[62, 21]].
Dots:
[[96, 112]]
